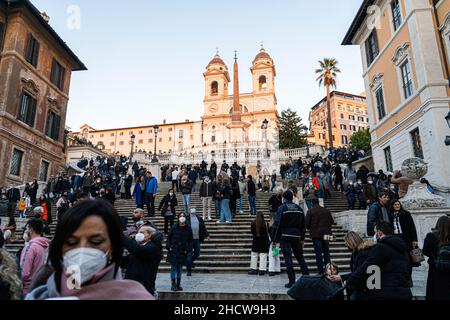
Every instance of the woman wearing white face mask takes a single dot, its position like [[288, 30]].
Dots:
[[167, 206], [85, 254], [179, 244]]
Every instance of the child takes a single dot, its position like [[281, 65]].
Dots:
[[21, 207], [332, 274]]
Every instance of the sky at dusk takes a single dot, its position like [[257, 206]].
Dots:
[[146, 58]]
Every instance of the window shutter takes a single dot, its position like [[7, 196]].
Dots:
[[53, 74], [31, 112], [29, 53], [2, 30], [61, 77], [57, 126], [19, 112], [48, 124], [35, 53], [375, 40]]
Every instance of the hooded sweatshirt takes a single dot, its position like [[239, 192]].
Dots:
[[32, 258]]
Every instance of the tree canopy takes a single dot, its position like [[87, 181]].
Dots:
[[291, 127]]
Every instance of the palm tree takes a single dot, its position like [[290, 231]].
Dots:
[[327, 77]]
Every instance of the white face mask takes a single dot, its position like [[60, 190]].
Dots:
[[139, 237], [26, 237], [84, 263], [171, 194], [370, 182], [182, 220]]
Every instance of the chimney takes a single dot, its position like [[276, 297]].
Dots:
[[45, 16]]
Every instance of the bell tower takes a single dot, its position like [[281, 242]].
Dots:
[[216, 79], [263, 73]]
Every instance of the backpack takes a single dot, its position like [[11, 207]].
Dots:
[[443, 259]]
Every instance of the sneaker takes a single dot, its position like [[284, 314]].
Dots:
[[272, 274], [288, 285], [209, 219], [218, 221], [229, 222], [253, 272], [262, 273], [241, 212], [189, 274]]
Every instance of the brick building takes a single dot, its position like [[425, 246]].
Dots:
[[35, 74]]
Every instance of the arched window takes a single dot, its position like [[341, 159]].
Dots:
[[244, 109], [214, 88], [262, 83]]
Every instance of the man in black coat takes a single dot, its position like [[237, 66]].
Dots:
[[145, 254], [319, 222], [199, 234], [390, 255], [289, 230]]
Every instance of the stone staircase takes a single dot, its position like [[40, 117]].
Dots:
[[228, 250]]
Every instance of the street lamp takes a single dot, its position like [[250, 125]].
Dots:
[[306, 129], [155, 129], [264, 126], [133, 137]]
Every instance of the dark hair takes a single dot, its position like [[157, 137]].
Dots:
[[443, 230], [315, 201], [385, 227], [382, 194], [36, 225], [259, 222], [72, 220]]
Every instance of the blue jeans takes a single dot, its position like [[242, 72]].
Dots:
[[175, 271], [309, 203], [320, 193], [274, 184], [194, 254], [322, 251], [217, 207], [252, 202], [186, 202], [240, 203], [225, 212]]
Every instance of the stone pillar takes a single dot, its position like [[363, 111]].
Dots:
[[155, 169], [425, 220]]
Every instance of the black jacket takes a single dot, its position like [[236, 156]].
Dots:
[[261, 243], [319, 222], [274, 203], [206, 189], [179, 243], [143, 262], [289, 223], [168, 203], [391, 256], [251, 188], [374, 215], [13, 195], [408, 228], [203, 232], [438, 283], [186, 188]]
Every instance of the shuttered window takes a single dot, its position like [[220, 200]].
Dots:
[[27, 109], [16, 162], [58, 74], [53, 125], [32, 54]]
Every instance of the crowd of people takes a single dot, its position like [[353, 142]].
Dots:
[[94, 250]]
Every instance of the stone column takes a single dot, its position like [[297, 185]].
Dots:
[[425, 220]]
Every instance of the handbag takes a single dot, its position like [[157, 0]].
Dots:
[[314, 288], [417, 255]]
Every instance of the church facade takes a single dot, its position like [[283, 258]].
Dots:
[[228, 119]]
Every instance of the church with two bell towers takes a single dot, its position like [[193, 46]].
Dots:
[[230, 117], [238, 117]]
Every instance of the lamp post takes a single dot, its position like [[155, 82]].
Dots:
[[265, 126], [133, 137], [306, 129], [155, 129]]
